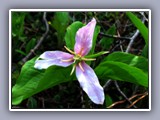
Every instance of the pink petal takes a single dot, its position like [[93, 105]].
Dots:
[[89, 83], [50, 58], [84, 38]]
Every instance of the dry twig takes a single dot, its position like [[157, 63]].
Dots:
[[138, 100], [40, 40], [133, 38], [114, 36], [122, 101], [107, 83], [121, 92], [117, 86]]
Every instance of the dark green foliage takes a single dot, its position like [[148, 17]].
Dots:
[[107, 42], [18, 24], [54, 87], [60, 23]]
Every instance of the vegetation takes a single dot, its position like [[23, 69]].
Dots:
[[122, 72]]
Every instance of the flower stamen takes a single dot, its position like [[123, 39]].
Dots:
[[68, 60], [69, 50], [80, 53], [80, 65], [74, 66]]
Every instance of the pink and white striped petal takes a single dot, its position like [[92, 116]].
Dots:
[[89, 82], [50, 58], [84, 38]]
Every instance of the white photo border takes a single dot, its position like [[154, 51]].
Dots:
[[77, 10]]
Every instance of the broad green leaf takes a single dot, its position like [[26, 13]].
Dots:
[[60, 23], [130, 59], [138, 23], [17, 100], [32, 81], [96, 32], [71, 33], [121, 71], [106, 42], [27, 82], [55, 75]]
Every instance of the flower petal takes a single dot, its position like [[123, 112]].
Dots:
[[89, 82], [50, 58], [55, 55], [84, 38]]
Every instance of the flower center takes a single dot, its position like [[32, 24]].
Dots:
[[78, 58]]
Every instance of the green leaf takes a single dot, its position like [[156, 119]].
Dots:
[[55, 75], [108, 100], [21, 52], [17, 100], [30, 45], [130, 59], [106, 42], [60, 23], [32, 81], [71, 33], [121, 71], [26, 82], [138, 23]]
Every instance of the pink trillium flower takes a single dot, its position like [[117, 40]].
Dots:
[[84, 73]]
